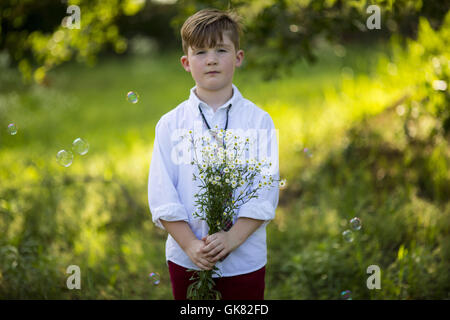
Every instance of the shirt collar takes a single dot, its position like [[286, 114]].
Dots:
[[194, 101]]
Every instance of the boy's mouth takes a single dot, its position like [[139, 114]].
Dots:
[[212, 72]]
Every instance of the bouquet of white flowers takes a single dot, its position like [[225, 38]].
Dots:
[[222, 171]]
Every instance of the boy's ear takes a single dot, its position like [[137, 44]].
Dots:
[[185, 63], [239, 58]]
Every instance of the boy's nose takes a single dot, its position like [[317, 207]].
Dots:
[[211, 58]]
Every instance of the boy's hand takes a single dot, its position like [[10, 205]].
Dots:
[[218, 246], [196, 254]]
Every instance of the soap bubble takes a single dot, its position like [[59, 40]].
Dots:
[[440, 85], [347, 72], [356, 223], [308, 152], [80, 146], [400, 109], [346, 295], [12, 129], [132, 97], [339, 50], [154, 277], [348, 235], [64, 158]]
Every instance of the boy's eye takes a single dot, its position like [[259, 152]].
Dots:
[[220, 50]]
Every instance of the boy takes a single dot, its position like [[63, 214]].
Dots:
[[211, 46]]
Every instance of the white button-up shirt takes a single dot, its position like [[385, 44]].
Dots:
[[171, 187]]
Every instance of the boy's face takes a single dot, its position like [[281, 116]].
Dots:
[[222, 59]]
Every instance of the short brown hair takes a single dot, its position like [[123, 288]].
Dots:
[[207, 26]]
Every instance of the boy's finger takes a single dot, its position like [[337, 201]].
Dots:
[[209, 239], [221, 256], [209, 247], [204, 248], [213, 253], [206, 264], [202, 266]]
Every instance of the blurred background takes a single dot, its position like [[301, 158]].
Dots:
[[357, 89]]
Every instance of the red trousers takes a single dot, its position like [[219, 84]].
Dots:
[[249, 286]]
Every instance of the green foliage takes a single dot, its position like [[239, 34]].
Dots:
[[39, 47], [202, 287], [286, 31], [431, 94], [403, 233], [278, 33], [392, 170], [93, 215]]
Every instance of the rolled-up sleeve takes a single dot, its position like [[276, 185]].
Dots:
[[163, 198], [263, 207]]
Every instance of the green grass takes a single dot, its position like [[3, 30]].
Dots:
[[95, 213]]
